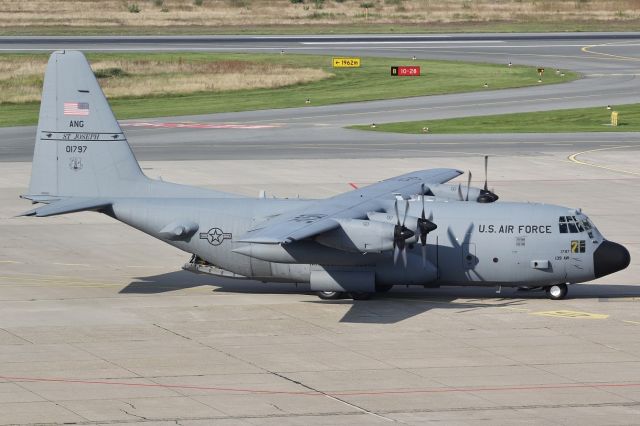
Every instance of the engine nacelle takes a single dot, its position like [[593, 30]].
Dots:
[[450, 192], [361, 236]]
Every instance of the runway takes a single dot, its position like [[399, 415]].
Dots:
[[607, 61], [98, 324]]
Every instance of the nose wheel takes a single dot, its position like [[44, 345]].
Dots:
[[556, 291]]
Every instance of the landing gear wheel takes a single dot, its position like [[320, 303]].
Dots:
[[380, 288], [330, 295], [360, 296], [557, 291]]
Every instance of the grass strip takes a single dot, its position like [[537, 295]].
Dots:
[[370, 82], [532, 25], [596, 119]]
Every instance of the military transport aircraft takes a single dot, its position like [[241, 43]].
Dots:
[[413, 229]]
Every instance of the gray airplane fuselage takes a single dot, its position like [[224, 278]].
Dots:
[[509, 244], [357, 243]]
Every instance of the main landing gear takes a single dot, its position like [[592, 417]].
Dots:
[[556, 291], [336, 295]]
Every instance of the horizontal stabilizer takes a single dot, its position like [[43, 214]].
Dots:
[[69, 205]]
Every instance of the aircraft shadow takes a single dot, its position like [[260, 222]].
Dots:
[[387, 308], [181, 280]]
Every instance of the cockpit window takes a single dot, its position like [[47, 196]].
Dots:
[[571, 225]]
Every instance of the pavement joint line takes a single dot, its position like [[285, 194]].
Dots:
[[328, 395], [574, 158], [16, 335]]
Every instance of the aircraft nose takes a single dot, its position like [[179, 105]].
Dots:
[[610, 257]]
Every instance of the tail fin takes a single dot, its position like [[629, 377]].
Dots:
[[80, 149]]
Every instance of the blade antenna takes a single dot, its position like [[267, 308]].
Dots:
[[486, 167]]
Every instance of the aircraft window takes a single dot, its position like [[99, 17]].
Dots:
[[562, 223], [569, 224]]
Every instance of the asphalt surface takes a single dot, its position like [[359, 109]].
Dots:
[[608, 62]]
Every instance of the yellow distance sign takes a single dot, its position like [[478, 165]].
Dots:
[[346, 62]]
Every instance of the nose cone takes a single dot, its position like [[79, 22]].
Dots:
[[610, 257]]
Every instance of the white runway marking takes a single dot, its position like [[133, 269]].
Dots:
[[187, 125], [403, 42]]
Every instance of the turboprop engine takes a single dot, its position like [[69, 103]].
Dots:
[[362, 236], [464, 193]]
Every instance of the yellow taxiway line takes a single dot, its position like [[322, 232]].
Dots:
[[574, 158]]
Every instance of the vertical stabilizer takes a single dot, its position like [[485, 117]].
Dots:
[[80, 150]]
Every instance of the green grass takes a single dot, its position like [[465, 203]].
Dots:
[[371, 81], [559, 121], [309, 28]]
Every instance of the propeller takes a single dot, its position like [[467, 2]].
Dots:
[[468, 186], [424, 227], [400, 234], [486, 196]]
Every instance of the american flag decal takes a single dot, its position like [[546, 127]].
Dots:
[[76, 108]]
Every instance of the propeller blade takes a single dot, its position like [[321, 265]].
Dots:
[[406, 210], [396, 252], [486, 167], [460, 193], [404, 256], [468, 185], [424, 255], [395, 205], [423, 201]]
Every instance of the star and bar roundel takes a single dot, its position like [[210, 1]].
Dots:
[[215, 236]]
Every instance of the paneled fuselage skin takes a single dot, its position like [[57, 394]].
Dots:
[[509, 244]]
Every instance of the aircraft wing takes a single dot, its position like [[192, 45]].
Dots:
[[320, 216]]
